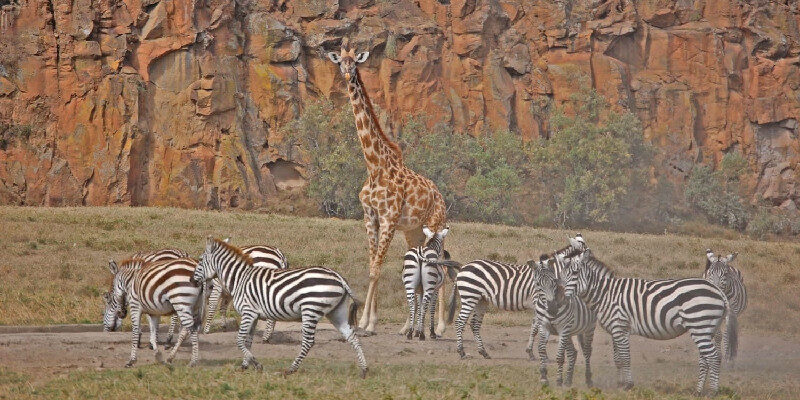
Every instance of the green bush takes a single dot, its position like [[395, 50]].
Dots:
[[336, 169], [715, 194], [592, 164]]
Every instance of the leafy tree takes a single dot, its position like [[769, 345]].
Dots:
[[715, 194]]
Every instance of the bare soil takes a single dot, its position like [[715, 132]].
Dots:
[[662, 365]]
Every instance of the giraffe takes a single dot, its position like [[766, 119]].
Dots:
[[393, 197]]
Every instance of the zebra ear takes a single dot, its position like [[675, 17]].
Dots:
[[227, 239], [112, 266], [209, 243], [731, 257], [445, 231], [427, 232]]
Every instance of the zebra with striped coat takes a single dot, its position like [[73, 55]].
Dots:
[[424, 277], [728, 279], [219, 298], [147, 257], [305, 294], [566, 315], [156, 288], [656, 309], [508, 287]]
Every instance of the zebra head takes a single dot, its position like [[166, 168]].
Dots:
[[576, 274], [550, 292], [208, 267], [718, 269], [347, 59], [114, 300], [434, 241], [577, 244]]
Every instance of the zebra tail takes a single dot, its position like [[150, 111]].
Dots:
[[732, 336], [200, 307], [446, 263], [451, 313], [353, 313]]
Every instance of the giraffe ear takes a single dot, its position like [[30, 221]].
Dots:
[[334, 57], [361, 57]]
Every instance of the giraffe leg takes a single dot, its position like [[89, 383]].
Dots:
[[371, 223], [441, 324], [387, 229]]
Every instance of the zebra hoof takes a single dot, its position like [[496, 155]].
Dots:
[[159, 357], [364, 373], [434, 336], [484, 354], [626, 386], [130, 363], [559, 382], [465, 356], [257, 366], [531, 357], [409, 335], [544, 382], [421, 336], [287, 372], [365, 333], [192, 364]]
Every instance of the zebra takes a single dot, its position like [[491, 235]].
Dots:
[[655, 309], [418, 273], [508, 287], [728, 279], [558, 256], [156, 288], [219, 298], [562, 312], [305, 294], [147, 257]]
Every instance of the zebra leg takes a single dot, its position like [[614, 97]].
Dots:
[[418, 316], [467, 306], [213, 306], [195, 347], [309, 331], [426, 300], [544, 336], [477, 320], [622, 356], [408, 330], [432, 303], [251, 334], [534, 330], [136, 315], [174, 323], [710, 361], [572, 356], [586, 340], [338, 318], [269, 327], [154, 320], [187, 323], [249, 319], [562, 347]]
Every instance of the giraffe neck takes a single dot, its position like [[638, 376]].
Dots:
[[379, 151]]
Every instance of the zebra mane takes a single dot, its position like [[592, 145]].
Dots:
[[590, 261], [132, 263], [237, 252]]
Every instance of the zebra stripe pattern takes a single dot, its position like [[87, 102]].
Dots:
[[655, 309], [508, 287], [148, 257], [305, 294], [263, 257], [420, 276], [566, 315], [728, 279], [156, 288]]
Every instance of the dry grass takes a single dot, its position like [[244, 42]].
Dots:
[[57, 257]]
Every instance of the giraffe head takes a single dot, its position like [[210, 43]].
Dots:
[[347, 59]]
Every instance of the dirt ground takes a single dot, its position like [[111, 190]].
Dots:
[[656, 364]]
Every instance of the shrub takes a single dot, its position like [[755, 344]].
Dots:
[[715, 194], [336, 170], [593, 163]]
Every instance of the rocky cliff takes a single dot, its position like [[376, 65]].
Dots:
[[177, 102]]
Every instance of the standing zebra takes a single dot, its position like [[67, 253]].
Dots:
[[156, 288], [508, 287], [305, 294], [656, 309], [263, 257], [419, 274], [540, 326], [729, 280], [566, 315], [148, 257]]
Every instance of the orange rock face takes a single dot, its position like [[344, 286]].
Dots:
[[175, 102]]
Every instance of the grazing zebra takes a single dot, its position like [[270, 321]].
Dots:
[[563, 313], [263, 257], [148, 257], [305, 294], [156, 288], [427, 278], [508, 287], [729, 279], [656, 309]]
